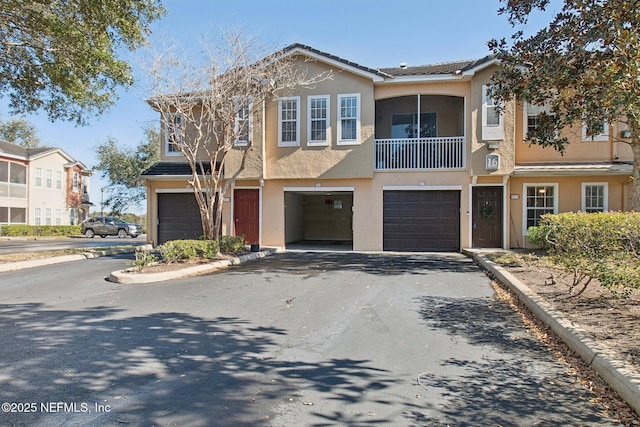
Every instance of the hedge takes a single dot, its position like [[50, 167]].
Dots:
[[185, 250], [39, 230], [603, 246]]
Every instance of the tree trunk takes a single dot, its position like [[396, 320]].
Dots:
[[635, 193]]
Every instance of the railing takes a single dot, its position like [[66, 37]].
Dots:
[[419, 153], [9, 189]]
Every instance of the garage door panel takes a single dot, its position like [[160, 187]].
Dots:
[[421, 221], [178, 217]]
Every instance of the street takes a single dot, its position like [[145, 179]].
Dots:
[[21, 245], [292, 339]]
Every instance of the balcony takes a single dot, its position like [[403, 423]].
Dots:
[[419, 153], [419, 132]]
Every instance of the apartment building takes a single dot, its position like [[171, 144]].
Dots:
[[42, 186], [407, 158]]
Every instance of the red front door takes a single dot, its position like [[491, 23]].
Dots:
[[246, 214]]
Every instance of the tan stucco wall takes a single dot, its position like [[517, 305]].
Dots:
[[326, 162], [569, 198]]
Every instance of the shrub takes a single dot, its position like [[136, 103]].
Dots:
[[178, 250], [143, 259], [39, 230], [603, 246], [232, 244]]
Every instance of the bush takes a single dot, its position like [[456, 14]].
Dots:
[[144, 258], [39, 230], [603, 246], [232, 244]]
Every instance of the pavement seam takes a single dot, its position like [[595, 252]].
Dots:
[[623, 380]]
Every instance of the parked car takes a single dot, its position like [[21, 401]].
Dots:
[[110, 226]]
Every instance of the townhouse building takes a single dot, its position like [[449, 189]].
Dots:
[[408, 158], [42, 186]]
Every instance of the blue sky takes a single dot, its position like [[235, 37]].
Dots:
[[373, 33]]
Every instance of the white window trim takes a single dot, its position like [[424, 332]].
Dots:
[[327, 140], [75, 186], [48, 178], [536, 109], [295, 143], [59, 180], [236, 125], [490, 132], [37, 216], [171, 118], [604, 136], [605, 195], [355, 141], [524, 200], [38, 177]]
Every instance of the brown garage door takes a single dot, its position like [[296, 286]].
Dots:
[[421, 221], [178, 217]]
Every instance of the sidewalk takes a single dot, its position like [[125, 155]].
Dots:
[[625, 381]]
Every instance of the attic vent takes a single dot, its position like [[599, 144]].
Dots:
[[403, 65]]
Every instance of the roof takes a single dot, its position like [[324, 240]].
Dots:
[[31, 153], [172, 169]]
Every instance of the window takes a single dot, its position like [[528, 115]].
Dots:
[[318, 120], [492, 117], [48, 183], [38, 177], [602, 136], [58, 216], [18, 215], [76, 182], [58, 180], [595, 196], [349, 119], [72, 217], [47, 216], [37, 215], [539, 199], [289, 121], [243, 121], [174, 134], [406, 125]]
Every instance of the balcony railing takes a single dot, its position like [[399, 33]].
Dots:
[[10, 189], [419, 153]]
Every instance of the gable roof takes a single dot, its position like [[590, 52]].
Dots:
[[172, 169], [17, 151], [453, 67]]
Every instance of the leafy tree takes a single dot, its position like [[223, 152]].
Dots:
[[122, 166], [60, 56], [208, 104], [585, 66], [19, 131]]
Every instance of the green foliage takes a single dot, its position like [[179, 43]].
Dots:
[[61, 56], [584, 67], [185, 250], [39, 230], [123, 165], [144, 258], [603, 246], [19, 131], [232, 244]]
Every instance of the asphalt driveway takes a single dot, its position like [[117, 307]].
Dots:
[[292, 339]]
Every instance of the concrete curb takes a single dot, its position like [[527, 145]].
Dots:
[[19, 265], [624, 380], [130, 278]]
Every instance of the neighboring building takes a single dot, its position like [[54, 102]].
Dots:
[[396, 159], [42, 186]]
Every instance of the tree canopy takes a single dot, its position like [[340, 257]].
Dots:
[[19, 131], [584, 66], [122, 166], [62, 56]]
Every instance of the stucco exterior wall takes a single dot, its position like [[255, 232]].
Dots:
[[323, 162]]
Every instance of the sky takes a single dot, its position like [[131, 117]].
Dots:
[[373, 33]]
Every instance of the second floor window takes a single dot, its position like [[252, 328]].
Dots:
[[318, 120], [76, 182], [349, 119], [48, 183], [242, 125], [38, 177], [289, 121], [602, 134], [492, 117], [58, 180], [174, 134]]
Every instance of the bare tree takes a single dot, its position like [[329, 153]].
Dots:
[[210, 106]]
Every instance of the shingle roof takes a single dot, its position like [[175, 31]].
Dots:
[[434, 69], [173, 169], [18, 150]]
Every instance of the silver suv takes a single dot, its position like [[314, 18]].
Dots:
[[110, 226]]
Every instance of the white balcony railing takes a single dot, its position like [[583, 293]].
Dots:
[[419, 153]]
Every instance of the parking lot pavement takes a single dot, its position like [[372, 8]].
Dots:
[[292, 339]]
